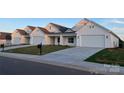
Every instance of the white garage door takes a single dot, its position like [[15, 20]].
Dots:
[[92, 41], [16, 40], [37, 40]]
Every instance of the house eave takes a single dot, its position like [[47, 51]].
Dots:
[[63, 34]]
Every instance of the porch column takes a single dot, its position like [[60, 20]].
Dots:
[[61, 40]]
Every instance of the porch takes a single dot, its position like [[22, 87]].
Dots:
[[63, 39]]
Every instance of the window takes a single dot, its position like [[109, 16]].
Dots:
[[91, 26], [106, 36], [50, 27], [70, 40], [58, 39]]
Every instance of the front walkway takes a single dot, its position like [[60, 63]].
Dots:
[[71, 58]]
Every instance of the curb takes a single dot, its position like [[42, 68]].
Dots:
[[85, 66]]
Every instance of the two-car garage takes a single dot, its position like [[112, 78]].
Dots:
[[34, 40], [92, 40]]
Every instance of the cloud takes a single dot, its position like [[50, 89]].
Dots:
[[118, 30], [117, 21], [113, 21]]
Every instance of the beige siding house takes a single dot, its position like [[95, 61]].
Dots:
[[19, 36], [5, 38], [22, 36]]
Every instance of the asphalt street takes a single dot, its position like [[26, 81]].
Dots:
[[10, 66]]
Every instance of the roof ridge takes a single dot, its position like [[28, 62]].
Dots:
[[43, 29], [6, 32], [58, 25], [30, 26], [20, 29]]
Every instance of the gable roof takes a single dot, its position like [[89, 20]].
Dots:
[[59, 27], [5, 36], [79, 25], [22, 32], [44, 30], [89, 21], [70, 31], [31, 27]]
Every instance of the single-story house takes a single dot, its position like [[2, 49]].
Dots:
[[5, 38], [53, 34], [86, 33], [20, 36]]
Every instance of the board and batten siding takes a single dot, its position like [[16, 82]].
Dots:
[[87, 30]]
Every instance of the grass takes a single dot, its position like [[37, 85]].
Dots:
[[35, 51], [109, 56]]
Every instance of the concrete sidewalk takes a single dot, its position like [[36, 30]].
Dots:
[[13, 47], [70, 62]]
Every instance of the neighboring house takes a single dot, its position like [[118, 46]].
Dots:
[[39, 35], [20, 36], [91, 34], [53, 34], [5, 38]]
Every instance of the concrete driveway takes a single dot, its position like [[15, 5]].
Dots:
[[71, 55]]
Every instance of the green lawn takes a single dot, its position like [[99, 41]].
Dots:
[[109, 56], [35, 51]]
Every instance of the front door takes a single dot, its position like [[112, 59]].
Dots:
[[58, 40]]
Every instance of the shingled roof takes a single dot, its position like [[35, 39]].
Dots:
[[31, 27], [22, 32], [60, 27], [44, 30], [5, 36]]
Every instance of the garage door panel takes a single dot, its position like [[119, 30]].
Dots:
[[93, 41], [37, 40], [16, 40]]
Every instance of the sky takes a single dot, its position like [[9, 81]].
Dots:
[[10, 24]]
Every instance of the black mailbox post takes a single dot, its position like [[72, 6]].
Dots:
[[2, 46], [40, 48]]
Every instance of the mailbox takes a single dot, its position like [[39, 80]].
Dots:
[[2, 46], [40, 47]]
